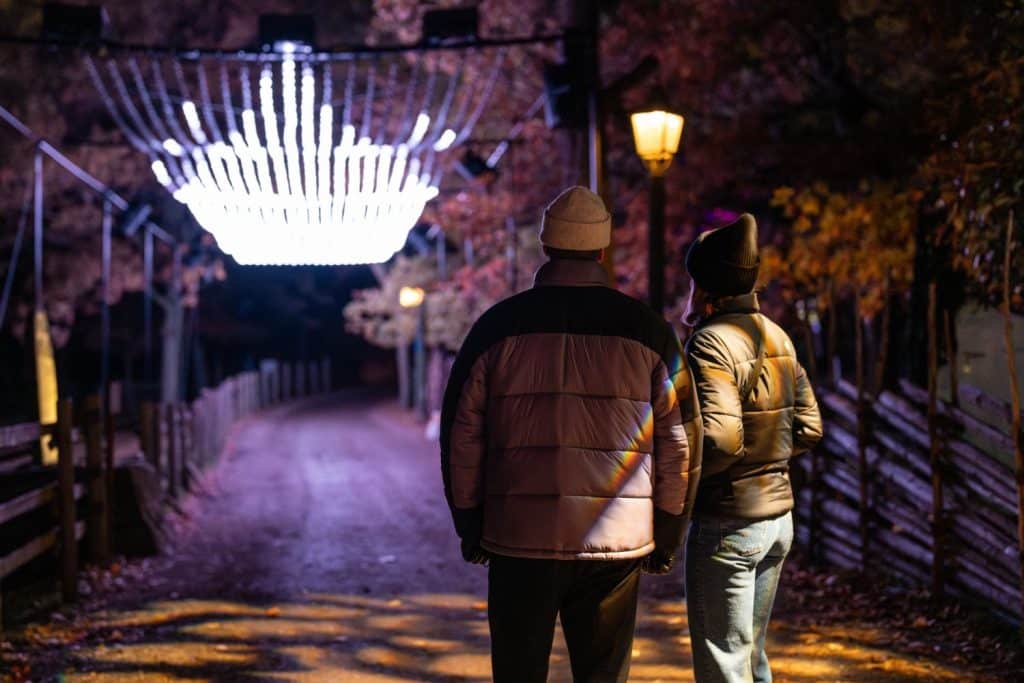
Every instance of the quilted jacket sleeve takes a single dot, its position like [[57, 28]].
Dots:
[[463, 441], [807, 428], [720, 409], [677, 449]]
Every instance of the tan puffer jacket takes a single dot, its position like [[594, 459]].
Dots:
[[748, 443], [566, 424]]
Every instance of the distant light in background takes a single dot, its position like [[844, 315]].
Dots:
[[411, 297]]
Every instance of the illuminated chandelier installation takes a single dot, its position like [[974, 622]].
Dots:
[[281, 173]]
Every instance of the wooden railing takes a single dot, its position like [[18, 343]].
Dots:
[[45, 508], [941, 508]]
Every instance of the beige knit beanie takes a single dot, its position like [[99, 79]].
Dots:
[[577, 221]]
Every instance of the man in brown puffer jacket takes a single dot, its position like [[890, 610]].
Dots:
[[570, 454]]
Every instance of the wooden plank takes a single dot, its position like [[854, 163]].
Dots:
[[26, 553], [989, 404], [14, 436], [26, 502], [965, 420], [10, 464]]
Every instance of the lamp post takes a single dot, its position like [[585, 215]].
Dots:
[[415, 297], [656, 133]]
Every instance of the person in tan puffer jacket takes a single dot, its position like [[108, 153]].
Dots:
[[570, 450], [758, 411]]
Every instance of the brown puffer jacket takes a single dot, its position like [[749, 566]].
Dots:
[[566, 424], [748, 443]]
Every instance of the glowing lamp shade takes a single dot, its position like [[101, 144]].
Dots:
[[656, 136], [411, 297]]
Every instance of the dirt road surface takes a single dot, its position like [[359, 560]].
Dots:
[[320, 549]]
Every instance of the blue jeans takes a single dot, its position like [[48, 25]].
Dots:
[[732, 572]]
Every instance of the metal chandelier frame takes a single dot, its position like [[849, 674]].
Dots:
[[276, 167]]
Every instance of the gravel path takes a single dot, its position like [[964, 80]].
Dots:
[[320, 549]]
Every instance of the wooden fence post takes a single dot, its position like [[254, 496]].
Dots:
[[173, 455], [97, 489], [951, 359], [314, 378], [935, 447], [149, 426], [1015, 399], [188, 447], [66, 502], [863, 416], [299, 375]]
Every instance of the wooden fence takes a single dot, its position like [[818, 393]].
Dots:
[[46, 509], [899, 489]]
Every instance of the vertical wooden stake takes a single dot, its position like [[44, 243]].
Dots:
[[95, 530], [954, 370], [814, 524], [862, 437], [830, 339], [1015, 419], [111, 446], [66, 506], [935, 448]]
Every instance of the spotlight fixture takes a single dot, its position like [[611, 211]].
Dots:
[[444, 25], [287, 33]]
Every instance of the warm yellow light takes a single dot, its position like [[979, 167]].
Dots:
[[410, 297], [656, 135]]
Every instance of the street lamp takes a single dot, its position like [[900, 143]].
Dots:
[[656, 133], [411, 297], [415, 297]]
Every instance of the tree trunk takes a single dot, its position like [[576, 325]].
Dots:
[[881, 365], [935, 448], [1015, 418]]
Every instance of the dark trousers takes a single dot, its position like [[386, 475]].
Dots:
[[597, 603]]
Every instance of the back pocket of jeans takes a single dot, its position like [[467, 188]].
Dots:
[[745, 541]]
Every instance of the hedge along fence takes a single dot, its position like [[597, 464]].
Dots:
[[927, 502], [46, 509]]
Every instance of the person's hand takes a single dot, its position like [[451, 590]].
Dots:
[[657, 563], [474, 554]]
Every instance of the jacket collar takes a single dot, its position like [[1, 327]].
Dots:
[[744, 303], [568, 273]]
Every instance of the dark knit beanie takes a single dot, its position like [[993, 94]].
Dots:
[[725, 261]]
